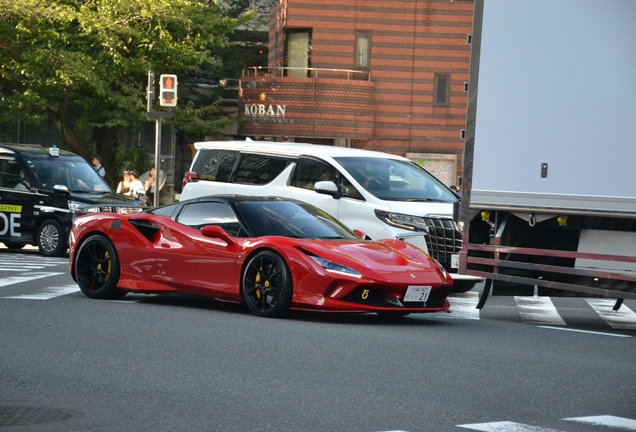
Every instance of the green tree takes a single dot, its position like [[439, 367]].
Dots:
[[81, 65]]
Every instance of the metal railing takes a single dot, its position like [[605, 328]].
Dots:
[[280, 71]]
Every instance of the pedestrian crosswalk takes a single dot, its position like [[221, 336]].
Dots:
[[541, 310], [603, 422], [16, 269], [22, 263]]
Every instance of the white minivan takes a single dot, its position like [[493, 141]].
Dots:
[[383, 195]]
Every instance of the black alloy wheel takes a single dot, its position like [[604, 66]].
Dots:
[[267, 285], [97, 268], [50, 239]]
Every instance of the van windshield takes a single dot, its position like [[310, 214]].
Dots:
[[74, 173], [396, 180]]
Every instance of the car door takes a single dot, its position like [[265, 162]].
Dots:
[[16, 203], [195, 263], [307, 172]]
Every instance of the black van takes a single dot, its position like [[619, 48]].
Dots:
[[42, 190]]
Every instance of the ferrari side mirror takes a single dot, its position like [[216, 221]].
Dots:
[[214, 231]]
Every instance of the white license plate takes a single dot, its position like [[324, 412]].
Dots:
[[417, 293], [455, 261]]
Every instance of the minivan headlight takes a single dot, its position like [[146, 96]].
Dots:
[[78, 207], [412, 223]]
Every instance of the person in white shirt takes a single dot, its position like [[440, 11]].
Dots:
[[137, 189]]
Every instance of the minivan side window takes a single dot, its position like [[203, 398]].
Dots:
[[309, 171], [215, 164], [259, 169]]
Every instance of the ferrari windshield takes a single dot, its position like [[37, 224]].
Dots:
[[74, 173], [291, 219], [396, 180]]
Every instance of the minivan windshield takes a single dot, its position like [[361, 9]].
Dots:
[[74, 173], [396, 180]]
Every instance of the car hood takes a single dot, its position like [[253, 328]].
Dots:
[[421, 208], [378, 257], [96, 198]]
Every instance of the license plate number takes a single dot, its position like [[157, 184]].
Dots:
[[417, 293], [455, 261]]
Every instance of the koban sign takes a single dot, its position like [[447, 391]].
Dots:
[[264, 110]]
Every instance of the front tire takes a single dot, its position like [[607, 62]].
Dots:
[[267, 285], [97, 268], [50, 239]]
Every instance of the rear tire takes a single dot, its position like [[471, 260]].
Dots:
[[97, 268], [50, 239]]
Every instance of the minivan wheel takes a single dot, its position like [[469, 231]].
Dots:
[[50, 239]]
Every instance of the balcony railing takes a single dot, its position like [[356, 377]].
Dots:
[[256, 71]]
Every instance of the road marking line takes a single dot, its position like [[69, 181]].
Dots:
[[21, 279], [538, 310], [463, 306], [624, 318], [505, 426], [48, 293], [584, 331], [24, 267], [607, 420]]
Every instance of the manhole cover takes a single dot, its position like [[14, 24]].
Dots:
[[20, 416]]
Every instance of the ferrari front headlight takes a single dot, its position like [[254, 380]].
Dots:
[[333, 267]]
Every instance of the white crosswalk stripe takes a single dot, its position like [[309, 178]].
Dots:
[[47, 293], [623, 319], [608, 421], [505, 426], [538, 310], [605, 421], [29, 277], [463, 306]]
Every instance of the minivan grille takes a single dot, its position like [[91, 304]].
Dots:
[[442, 240]]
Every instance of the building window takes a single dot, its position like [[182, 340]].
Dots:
[[298, 52], [363, 49], [442, 90]]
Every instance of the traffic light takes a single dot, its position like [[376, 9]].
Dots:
[[150, 90], [168, 90]]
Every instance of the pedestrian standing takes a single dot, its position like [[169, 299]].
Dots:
[[97, 165]]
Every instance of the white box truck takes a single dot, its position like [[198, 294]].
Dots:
[[549, 191]]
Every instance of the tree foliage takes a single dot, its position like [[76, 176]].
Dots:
[[81, 65]]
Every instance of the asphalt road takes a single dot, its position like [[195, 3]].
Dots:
[[164, 363]]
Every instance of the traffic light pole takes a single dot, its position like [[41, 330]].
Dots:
[[158, 116], [167, 97]]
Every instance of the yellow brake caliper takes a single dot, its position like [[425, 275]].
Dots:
[[258, 279], [107, 269]]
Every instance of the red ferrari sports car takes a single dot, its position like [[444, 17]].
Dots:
[[272, 254]]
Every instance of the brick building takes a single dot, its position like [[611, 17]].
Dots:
[[383, 75]]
